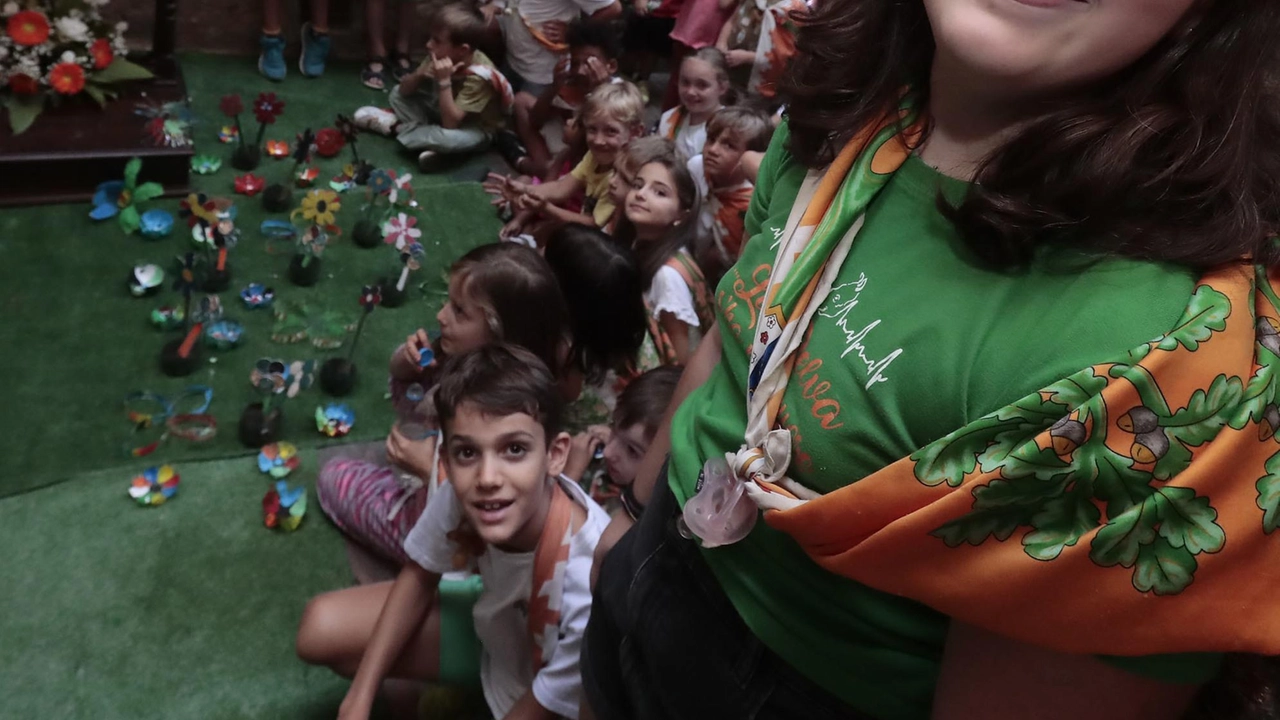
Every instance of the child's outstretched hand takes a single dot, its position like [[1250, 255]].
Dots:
[[530, 203], [505, 190]]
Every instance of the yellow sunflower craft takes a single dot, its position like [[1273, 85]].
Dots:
[[319, 207]]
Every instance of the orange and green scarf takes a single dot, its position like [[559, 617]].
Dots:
[[1127, 509]]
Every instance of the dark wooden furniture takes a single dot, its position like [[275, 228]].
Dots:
[[71, 149]]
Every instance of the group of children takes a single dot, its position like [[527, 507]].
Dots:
[[480, 505]]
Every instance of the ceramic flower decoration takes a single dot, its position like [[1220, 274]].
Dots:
[[167, 317], [145, 279], [156, 224], [231, 105], [267, 107], [278, 149], [276, 377], [250, 184], [206, 164], [228, 134], [345, 180], [329, 142], [380, 182], [256, 295], [334, 420], [154, 485], [120, 198], [411, 255], [283, 507], [224, 334], [279, 459], [168, 124], [319, 207], [307, 176], [198, 208], [401, 190], [400, 229]]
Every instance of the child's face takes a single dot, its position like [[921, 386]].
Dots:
[[620, 182], [501, 469], [441, 45], [623, 452], [582, 59], [652, 202], [721, 154], [605, 138], [700, 89], [463, 326]]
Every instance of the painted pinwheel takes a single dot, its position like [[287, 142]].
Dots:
[[411, 256], [120, 198], [154, 485]]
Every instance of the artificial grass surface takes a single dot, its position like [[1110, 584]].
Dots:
[[187, 610], [73, 342]]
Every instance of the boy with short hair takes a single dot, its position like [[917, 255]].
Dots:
[[612, 115], [724, 185], [454, 101], [505, 511]]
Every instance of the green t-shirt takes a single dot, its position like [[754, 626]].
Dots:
[[914, 341]]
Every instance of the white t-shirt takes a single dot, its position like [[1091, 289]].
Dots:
[[706, 219], [689, 138], [501, 612], [526, 55], [671, 294]]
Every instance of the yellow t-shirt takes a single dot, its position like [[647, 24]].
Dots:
[[598, 203], [478, 98]]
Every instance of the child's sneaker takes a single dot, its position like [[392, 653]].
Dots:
[[271, 59], [375, 120], [315, 49], [428, 160]]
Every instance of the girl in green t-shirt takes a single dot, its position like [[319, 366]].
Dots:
[[1064, 173]]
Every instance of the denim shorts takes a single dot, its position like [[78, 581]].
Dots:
[[665, 643]]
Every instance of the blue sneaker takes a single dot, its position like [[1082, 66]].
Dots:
[[315, 48], [271, 61]]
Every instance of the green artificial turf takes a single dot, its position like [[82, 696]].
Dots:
[[74, 343], [186, 610]]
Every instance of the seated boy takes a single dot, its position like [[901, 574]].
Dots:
[[612, 115], [454, 101], [724, 185], [505, 511]]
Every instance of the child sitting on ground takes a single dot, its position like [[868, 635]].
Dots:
[[704, 89], [723, 185], [454, 102], [621, 445], [758, 41], [660, 214], [504, 511], [612, 115]]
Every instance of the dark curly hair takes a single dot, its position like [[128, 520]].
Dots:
[[1175, 158]]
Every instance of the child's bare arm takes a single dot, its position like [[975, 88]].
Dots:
[[558, 191], [678, 331], [407, 606], [442, 70], [528, 708]]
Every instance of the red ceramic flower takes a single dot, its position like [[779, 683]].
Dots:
[[250, 184], [231, 105], [23, 85], [370, 295], [278, 149], [267, 108], [67, 78], [101, 52], [329, 142], [28, 27]]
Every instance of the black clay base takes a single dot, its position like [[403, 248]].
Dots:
[[304, 275], [391, 297], [277, 198], [338, 376], [173, 365], [256, 429], [367, 234], [218, 280], [246, 158]]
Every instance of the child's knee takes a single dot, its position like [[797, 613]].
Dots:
[[317, 631]]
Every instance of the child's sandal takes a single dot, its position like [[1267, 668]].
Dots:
[[400, 65], [375, 79]]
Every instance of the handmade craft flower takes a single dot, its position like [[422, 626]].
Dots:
[[28, 28], [196, 208], [279, 459], [256, 295], [347, 127], [411, 255], [284, 507], [278, 149], [267, 107], [319, 207], [206, 164], [119, 198], [334, 419], [303, 145], [231, 105], [274, 377], [167, 317], [101, 53], [250, 184], [307, 176], [21, 84], [379, 182], [345, 180], [156, 224], [228, 134], [370, 295], [154, 485], [329, 142], [145, 279], [67, 78], [400, 229], [400, 187], [224, 334]]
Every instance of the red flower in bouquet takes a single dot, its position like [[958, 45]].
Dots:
[[102, 54], [28, 27], [250, 184], [329, 142], [231, 105], [23, 85], [67, 78], [267, 108]]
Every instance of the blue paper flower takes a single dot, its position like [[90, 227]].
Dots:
[[156, 223], [223, 334], [257, 295]]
